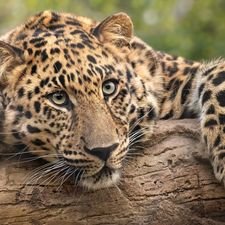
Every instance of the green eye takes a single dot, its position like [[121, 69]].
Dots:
[[59, 98], [109, 87]]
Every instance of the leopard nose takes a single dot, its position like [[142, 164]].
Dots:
[[102, 153]]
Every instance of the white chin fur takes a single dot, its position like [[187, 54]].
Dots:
[[103, 182]]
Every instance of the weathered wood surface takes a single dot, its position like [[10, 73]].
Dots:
[[170, 183]]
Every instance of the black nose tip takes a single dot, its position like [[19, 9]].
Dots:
[[102, 153]]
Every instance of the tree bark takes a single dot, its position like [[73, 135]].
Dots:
[[168, 182]]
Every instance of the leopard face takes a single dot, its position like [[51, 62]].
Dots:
[[70, 93]]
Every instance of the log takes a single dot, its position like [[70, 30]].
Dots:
[[169, 181]]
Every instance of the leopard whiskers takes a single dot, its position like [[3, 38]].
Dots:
[[14, 132], [135, 153], [81, 177], [38, 169], [42, 172], [126, 163], [152, 125], [70, 172], [136, 132], [128, 157], [138, 135], [139, 120], [140, 132], [63, 177], [50, 179], [138, 147], [53, 174], [121, 192], [134, 139], [76, 182], [141, 141], [46, 170], [38, 157], [15, 154], [84, 190]]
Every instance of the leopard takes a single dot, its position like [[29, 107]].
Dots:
[[79, 93]]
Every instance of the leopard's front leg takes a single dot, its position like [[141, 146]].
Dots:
[[211, 94]]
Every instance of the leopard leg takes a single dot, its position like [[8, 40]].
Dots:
[[211, 91]]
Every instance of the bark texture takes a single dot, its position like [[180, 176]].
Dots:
[[170, 182]]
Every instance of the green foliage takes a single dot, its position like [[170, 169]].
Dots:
[[193, 29]]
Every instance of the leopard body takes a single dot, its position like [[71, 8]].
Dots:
[[115, 88]]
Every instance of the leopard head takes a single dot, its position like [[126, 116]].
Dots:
[[69, 93]]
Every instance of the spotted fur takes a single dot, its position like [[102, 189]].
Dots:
[[55, 53]]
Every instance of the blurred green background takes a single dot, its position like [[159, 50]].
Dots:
[[194, 29]]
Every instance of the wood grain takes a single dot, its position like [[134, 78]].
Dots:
[[169, 182]]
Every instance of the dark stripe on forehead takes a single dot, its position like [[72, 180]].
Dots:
[[62, 80]]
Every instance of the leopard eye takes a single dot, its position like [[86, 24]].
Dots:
[[109, 87], [59, 98]]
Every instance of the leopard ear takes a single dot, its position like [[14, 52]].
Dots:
[[10, 57], [116, 29]]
